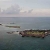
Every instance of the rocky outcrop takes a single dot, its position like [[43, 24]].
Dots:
[[35, 33]]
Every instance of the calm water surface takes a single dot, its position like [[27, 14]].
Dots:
[[16, 42]]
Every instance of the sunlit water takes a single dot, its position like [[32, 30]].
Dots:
[[16, 42]]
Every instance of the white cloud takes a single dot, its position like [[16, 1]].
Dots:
[[12, 10], [16, 11], [30, 11]]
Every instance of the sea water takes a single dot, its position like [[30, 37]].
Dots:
[[15, 41]]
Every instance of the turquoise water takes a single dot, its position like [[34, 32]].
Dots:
[[16, 42]]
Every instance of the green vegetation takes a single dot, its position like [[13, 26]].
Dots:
[[35, 32]]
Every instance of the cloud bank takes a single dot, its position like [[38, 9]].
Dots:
[[16, 11], [12, 10]]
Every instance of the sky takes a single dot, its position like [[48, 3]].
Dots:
[[24, 8]]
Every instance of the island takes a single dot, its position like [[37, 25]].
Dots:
[[13, 26], [35, 33]]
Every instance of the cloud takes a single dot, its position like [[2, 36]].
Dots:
[[15, 9], [30, 11], [36, 13]]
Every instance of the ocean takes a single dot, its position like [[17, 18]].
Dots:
[[15, 41]]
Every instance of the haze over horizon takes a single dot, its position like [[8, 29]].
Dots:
[[24, 8]]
